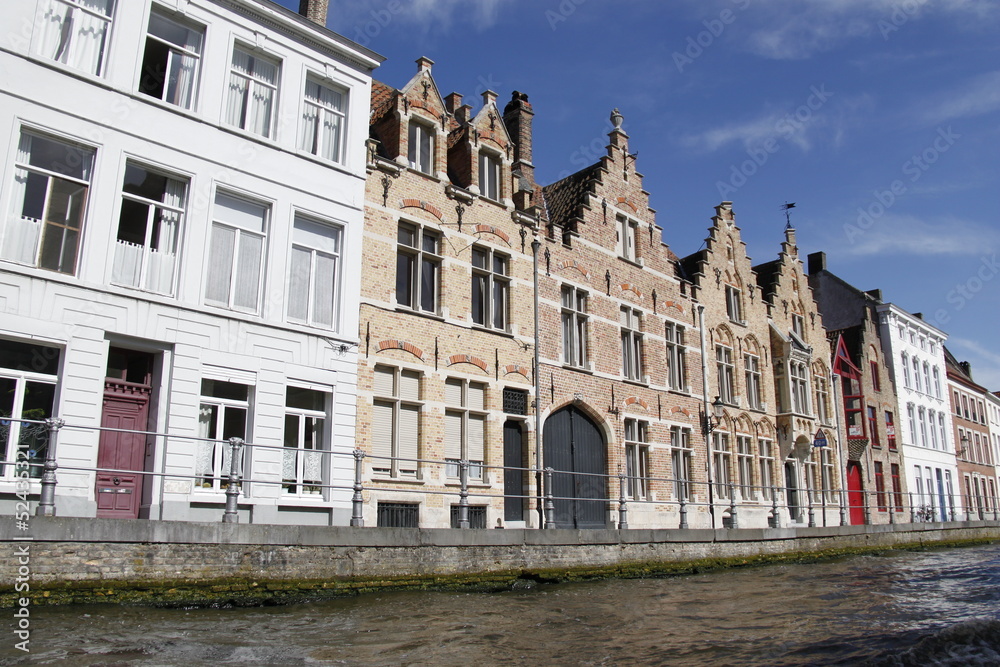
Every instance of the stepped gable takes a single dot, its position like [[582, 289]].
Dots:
[[565, 198]]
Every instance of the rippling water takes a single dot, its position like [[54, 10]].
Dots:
[[926, 608]]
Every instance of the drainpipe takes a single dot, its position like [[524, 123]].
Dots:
[[841, 449], [535, 246], [705, 409]]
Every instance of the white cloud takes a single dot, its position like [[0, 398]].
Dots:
[[985, 362], [427, 15], [894, 234], [977, 96]]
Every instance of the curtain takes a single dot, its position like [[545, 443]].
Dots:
[[183, 72], [127, 265], [52, 21], [248, 270], [310, 118], [220, 264], [239, 85], [163, 245], [298, 284], [203, 461], [333, 101], [259, 114], [88, 36], [20, 242], [325, 289]]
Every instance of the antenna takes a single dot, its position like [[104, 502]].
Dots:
[[788, 218]]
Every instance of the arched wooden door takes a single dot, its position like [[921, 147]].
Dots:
[[855, 494], [574, 447]]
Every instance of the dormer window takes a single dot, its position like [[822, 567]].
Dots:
[[489, 176], [421, 150]]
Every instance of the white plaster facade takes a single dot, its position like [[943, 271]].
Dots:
[[914, 353], [246, 278], [993, 418]]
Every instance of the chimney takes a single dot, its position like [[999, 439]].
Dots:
[[966, 368], [817, 262], [452, 102], [315, 10], [424, 63], [875, 294], [517, 116]]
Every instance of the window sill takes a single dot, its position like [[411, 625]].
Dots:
[[419, 313], [739, 323], [455, 482], [587, 368], [638, 383], [415, 481], [497, 332], [634, 262]]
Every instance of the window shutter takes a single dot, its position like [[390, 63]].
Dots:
[[453, 435], [477, 396], [409, 385], [409, 430], [381, 433], [383, 381], [453, 392], [477, 427]]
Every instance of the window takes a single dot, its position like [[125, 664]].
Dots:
[[965, 407], [626, 238], [799, 387], [395, 421], [574, 326], [873, 427], [253, 89], [323, 120], [314, 273], [876, 381], [937, 382], [490, 287], [912, 418], [853, 405], [826, 472], [303, 464], [418, 268], [28, 377], [930, 426], [236, 253], [744, 466], [927, 378], [919, 490], [822, 399], [751, 364], [766, 450], [421, 147], [464, 426], [890, 430], [631, 322], [149, 230], [676, 357], [171, 60], [725, 374], [637, 458], [880, 487], [476, 513], [734, 304], [916, 374], [720, 462], [489, 176], [223, 414], [799, 326], [906, 371], [74, 32], [397, 515], [897, 487], [922, 423], [942, 432], [680, 459], [51, 184], [515, 401]]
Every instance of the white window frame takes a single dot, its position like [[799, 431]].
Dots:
[[721, 463], [183, 61], [241, 234], [396, 402], [324, 123], [725, 374], [31, 440], [298, 447], [632, 342], [765, 448], [492, 275], [470, 447], [744, 466], [424, 254], [751, 365], [318, 248], [681, 456], [676, 356], [421, 140], [575, 321], [627, 233], [798, 373], [152, 265], [243, 103], [637, 458], [217, 453], [61, 44], [490, 182], [734, 304]]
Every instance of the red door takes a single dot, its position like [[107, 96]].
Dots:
[[855, 494], [126, 407]]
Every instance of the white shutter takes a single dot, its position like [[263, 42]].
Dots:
[[453, 435], [382, 382], [409, 430], [477, 427], [477, 396], [453, 392], [381, 433], [409, 385]]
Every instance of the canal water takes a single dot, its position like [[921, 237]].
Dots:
[[905, 608]]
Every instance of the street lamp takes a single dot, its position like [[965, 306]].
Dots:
[[965, 445], [712, 420]]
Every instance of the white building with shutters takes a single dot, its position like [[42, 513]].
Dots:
[[183, 195]]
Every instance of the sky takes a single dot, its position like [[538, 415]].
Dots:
[[879, 119]]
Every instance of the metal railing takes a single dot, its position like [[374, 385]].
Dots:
[[731, 502]]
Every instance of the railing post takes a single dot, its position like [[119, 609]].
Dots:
[[622, 505], [357, 502], [231, 515], [812, 513], [550, 507], [951, 501], [463, 495], [868, 509], [47, 499], [775, 521], [891, 508], [843, 507], [734, 521], [683, 512], [913, 516]]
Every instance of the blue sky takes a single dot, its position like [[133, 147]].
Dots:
[[880, 119]]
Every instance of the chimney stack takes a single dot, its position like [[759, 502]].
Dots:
[[452, 102], [817, 262], [517, 116], [315, 10]]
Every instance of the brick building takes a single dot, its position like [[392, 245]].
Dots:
[[970, 406], [865, 396]]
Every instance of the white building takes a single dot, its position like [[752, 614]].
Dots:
[[914, 351], [183, 184], [993, 417]]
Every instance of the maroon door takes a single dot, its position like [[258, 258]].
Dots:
[[126, 407], [855, 494]]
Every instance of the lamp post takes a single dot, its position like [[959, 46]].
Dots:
[[710, 420]]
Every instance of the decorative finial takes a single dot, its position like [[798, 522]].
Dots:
[[616, 119]]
